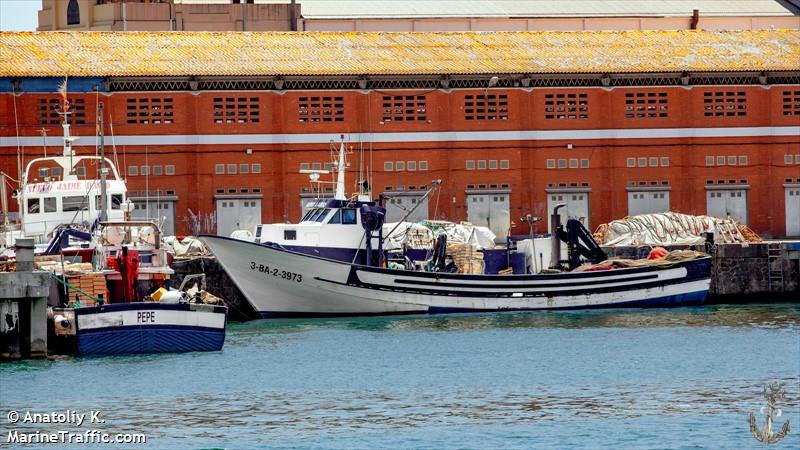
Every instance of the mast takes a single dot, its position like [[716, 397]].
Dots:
[[103, 168], [340, 194]]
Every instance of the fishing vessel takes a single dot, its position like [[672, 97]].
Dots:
[[66, 191], [292, 271]]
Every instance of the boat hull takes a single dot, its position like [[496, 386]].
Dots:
[[279, 282], [149, 327]]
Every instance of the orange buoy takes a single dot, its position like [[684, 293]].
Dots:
[[657, 253]]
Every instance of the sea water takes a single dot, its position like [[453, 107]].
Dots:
[[657, 378]]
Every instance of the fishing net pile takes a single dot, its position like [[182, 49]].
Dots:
[[422, 235], [671, 228], [670, 259]]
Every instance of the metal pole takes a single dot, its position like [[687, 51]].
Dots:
[[103, 168], [555, 249]]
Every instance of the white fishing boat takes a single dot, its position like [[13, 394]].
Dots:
[[324, 265], [64, 190]]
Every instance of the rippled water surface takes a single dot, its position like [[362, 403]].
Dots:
[[677, 378]]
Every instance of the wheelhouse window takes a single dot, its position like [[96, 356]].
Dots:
[[75, 203], [50, 204], [321, 215], [33, 206], [116, 201], [348, 216], [336, 217], [290, 235]]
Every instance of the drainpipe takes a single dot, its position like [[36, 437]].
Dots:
[[124, 17], [292, 16], [695, 19], [244, 16]]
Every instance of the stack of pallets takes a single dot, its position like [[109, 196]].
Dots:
[[92, 283]]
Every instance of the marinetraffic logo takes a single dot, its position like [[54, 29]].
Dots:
[[773, 393]]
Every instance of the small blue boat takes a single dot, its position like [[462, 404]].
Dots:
[[149, 327]]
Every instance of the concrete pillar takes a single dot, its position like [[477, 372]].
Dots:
[[23, 310]]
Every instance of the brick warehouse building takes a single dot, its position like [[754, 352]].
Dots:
[[212, 129]]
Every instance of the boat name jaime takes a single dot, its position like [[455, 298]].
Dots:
[[291, 276]]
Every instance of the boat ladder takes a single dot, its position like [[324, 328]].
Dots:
[[775, 267]]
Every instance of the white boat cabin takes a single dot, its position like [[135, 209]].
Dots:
[[66, 190]]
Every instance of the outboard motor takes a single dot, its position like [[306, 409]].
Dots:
[[372, 218]]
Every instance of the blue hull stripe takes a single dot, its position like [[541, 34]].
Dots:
[[150, 339]]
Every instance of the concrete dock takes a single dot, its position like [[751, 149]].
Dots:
[[23, 307]]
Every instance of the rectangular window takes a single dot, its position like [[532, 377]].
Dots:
[[158, 170], [709, 160], [562, 163], [156, 110], [255, 168], [144, 170], [584, 163], [791, 103], [720, 160], [399, 166], [388, 166], [75, 203], [653, 161], [81, 171], [493, 164], [797, 158], [133, 171], [231, 169], [573, 163], [504, 164], [481, 164], [566, 106], [645, 105], [320, 109], [664, 161], [244, 168], [316, 166], [423, 165], [169, 169], [411, 166], [731, 160], [642, 162], [236, 110], [116, 201], [787, 159], [56, 171], [404, 108], [219, 169], [631, 162], [470, 164], [50, 204], [725, 104], [743, 160], [34, 206], [551, 163], [48, 111], [486, 107], [305, 166]]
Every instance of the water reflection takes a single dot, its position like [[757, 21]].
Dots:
[[770, 315]]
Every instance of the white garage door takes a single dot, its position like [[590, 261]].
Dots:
[[237, 214], [793, 211], [399, 205], [646, 202], [577, 207], [727, 203], [490, 210], [156, 211]]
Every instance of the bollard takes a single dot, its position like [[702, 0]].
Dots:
[[24, 250]]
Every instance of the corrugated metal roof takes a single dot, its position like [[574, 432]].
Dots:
[[329, 53], [328, 9]]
